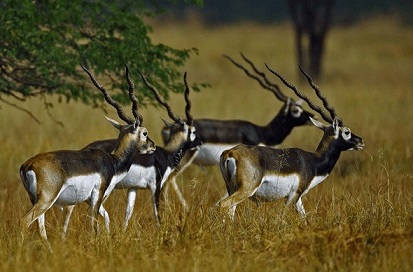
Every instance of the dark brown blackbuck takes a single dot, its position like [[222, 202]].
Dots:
[[268, 174], [67, 177], [220, 135], [151, 171]]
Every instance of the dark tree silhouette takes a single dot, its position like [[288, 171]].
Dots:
[[311, 19]]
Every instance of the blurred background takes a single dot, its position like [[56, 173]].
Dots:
[[361, 55], [267, 11]]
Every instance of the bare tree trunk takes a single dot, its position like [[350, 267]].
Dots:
[[315, 54], [300, 49], [311, 19]]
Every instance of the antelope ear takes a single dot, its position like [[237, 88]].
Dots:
[[185, 126], [287, 106], [114, 123], [318, 123], [299, 102], [336, 126], [182, 122], [137, 123], [168, 124]]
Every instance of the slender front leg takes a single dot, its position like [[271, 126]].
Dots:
[[42, 231], [230, 203], [231, 212], [41, 225], [156, 199], [68, 210], [239, 190], [129, 207], [105, 215], [35, 212], [179, 194], [299, 207], [95, 204], [222, 198], [185, 162]]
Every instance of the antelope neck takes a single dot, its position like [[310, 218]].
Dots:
[[123, 157], [180, 152], [326, 156], [276, 131]]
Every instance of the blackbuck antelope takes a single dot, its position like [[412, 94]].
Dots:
[[151, 171], [267, 174], [220, 135], [67, 177]]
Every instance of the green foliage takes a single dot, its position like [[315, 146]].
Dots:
[[42, 44]]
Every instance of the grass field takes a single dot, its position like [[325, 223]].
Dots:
[[360, 218]]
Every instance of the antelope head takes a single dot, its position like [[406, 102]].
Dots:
[[292, 111], [180, 130], [132, 131], [338, 134]]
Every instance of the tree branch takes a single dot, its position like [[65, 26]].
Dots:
[[22, 109]]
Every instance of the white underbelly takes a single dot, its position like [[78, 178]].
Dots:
[[209, 154], [138, 177], [78, 189], [275, 187]]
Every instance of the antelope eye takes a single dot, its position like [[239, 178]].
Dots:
[[295, 112], [346, 133]]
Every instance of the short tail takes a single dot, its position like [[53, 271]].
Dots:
[[228, 169], [30, 183]]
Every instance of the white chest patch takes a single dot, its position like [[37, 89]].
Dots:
[[78, 189], [112, 184], [316, 180], [138, 177], [209, 154], [275, 187]]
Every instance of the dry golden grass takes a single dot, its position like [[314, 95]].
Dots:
[[361, 217]]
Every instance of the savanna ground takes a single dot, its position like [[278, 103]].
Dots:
[[360, 218]]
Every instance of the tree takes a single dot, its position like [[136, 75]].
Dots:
[[42, 44], [311, 19]]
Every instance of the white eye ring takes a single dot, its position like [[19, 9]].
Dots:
[[296, 112], [346, 133], [192, 135]]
